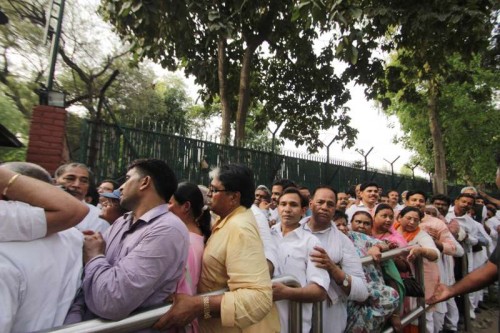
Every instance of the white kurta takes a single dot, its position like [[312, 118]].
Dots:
[[39, 280], [21, 222], [341, 251]]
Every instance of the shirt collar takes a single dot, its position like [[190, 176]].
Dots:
[[150, 214], [306, 227], [220, 223]]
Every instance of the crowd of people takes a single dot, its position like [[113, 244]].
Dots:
[[68, 257]]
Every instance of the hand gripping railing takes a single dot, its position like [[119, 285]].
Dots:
[[419, 312], [146, 319]]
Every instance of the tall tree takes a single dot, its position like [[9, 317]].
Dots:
[[469, 123], [426, 33], [244, 52]]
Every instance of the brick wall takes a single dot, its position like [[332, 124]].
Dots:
[[47, 140]]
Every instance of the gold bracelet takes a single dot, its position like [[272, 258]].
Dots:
[[10, 182], [206, 307]]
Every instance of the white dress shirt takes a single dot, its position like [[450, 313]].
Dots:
[[21, 222], [39, 280], [294, 251], [341, 251], [354, 208]]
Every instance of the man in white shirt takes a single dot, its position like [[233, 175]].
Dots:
[[338, 257], [276, 190], [75, 179], [474, 238], [369, 200], [270, 251], [294, 248], [35, 209], [29, 268]]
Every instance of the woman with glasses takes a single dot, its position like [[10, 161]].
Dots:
[[233, 259]]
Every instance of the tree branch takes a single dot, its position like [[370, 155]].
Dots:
[[105, 87], [71, 64]]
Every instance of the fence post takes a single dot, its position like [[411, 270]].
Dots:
[[466, 300], [419, 275], [295, 317], [317, 318]]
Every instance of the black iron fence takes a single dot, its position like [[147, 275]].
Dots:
[[113, 147]]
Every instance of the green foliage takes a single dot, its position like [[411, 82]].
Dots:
[[291, 75], [16, 124], [468, 116]]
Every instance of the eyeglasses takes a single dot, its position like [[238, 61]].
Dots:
[[212, 189]]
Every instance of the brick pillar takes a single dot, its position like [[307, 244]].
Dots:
[[47, 140]]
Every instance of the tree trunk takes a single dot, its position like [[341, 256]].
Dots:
[[243, 96], [439, 181], [222, 75]]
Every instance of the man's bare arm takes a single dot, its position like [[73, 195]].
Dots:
[[62, 210]]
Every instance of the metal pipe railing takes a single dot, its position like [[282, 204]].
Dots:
[[419, 312], [147, 318]]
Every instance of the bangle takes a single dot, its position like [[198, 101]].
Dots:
[[206, 307], [10, 182]]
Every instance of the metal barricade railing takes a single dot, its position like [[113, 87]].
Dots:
[[419, 312], [147, 318]]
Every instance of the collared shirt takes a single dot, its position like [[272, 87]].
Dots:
[[294, 251], [341, 251], [270, 249], [234, 258], [21, 222], [354, 208], [142, 265], [39, 280]]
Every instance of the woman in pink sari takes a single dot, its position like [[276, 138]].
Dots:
[[188, 204], [383, 226]]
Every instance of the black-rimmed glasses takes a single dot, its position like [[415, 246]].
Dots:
[[216, 190]]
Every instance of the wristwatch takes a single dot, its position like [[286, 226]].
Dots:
[[345, 283]]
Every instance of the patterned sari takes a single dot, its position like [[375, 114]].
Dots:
[[371, 315]]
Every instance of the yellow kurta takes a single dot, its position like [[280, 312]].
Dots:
[[234, 259]]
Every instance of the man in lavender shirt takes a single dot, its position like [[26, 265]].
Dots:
[[138, 261]]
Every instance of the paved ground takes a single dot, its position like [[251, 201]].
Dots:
[[487, 320]]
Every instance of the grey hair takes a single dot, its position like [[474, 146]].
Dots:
[[214, 173], [30, 170], [62, 169], [468, 188]]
